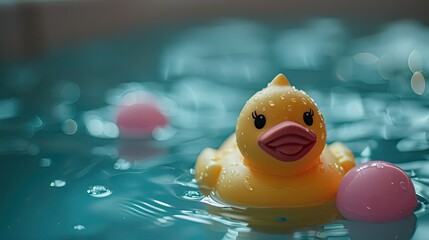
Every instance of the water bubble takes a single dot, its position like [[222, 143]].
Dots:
[[37, 123], [247, 185], [9, 108], [192, 195], [33, 149], [387, 66], [45, 162], [289, 108], [69, 127], [365, 58], [58, 183], [99, 191], [122, 164], [79, 227], [271, 103], [415, 61], [418, 83]]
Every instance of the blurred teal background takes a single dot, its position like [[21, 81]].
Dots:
[[67, 66]]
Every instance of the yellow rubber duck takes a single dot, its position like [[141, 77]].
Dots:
[[278, 156]]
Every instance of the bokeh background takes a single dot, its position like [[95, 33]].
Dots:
[[70, 170]]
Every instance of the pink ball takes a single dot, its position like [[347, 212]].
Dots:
[[377, 192], [140, 119]]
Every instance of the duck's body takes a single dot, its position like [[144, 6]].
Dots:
[[279, 156], [224, 174]]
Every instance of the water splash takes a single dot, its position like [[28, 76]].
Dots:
[[58, 183], [192, 195], [99, 191], [79, 227]]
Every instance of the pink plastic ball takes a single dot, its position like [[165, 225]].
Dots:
[[140, 119], [376, 192]]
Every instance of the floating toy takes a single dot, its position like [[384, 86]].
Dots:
[[278, 156], [376, 191], [139, 120]]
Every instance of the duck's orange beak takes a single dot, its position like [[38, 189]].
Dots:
[[287, 141]]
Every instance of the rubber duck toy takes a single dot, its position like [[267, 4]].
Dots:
[[278, 156]]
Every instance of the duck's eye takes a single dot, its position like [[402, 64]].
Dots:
[[259, 120], [308, 117]]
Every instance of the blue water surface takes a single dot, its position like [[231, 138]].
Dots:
[[67, 174]]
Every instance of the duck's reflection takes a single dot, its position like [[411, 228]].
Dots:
[[319, 222]]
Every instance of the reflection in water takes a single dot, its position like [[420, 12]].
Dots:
[[371, 90]]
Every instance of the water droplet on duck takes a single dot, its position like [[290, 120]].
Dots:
[[320, 125], [288, 92], [247, 185], [323, 136], [293, 99], [322, 169], [255, 99], [330, 165], [403, 185], [99, 191], [304, 101], [289, 108], [58, 183], [282, 96], [263, 109], [271, 103]]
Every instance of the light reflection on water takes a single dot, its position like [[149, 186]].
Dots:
[[144, 188]]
